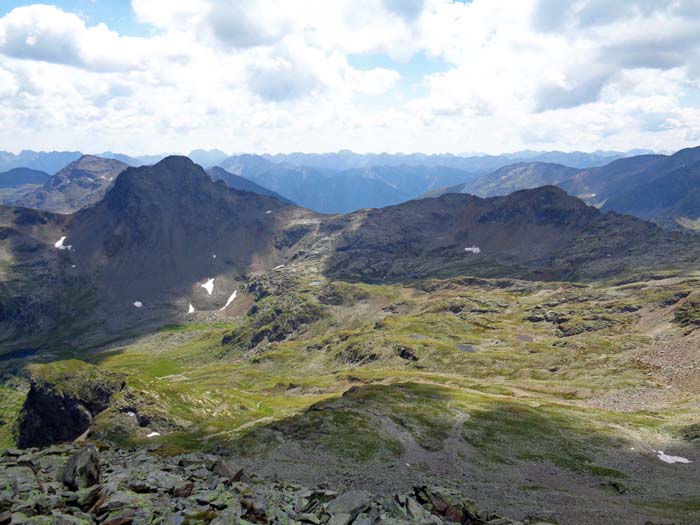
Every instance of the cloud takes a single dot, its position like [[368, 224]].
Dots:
[[8, 83], [43, 32], [267, 75], [239, 26], [280, 78]]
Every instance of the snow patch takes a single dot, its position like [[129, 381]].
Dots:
[[191, 309], [138, 304], [472, 249], [671, 459], [213, 256], [230, 300], [268, 212], [208, 286], [153, 434], [279, 267], [131, 414], [59, 244]]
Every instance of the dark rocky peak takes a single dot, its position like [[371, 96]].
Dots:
[[174, 181], [543, 205]]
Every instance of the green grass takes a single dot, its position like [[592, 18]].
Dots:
[[11, 399]]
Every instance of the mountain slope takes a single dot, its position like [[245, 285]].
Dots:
[[598, 185], [19, 183], [21, 176], [511, 178], [78, 185], [237, 182], [164, 234], [160, 232], [671, 200], [540, 233]]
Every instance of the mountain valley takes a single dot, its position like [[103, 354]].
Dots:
[[518, 350]]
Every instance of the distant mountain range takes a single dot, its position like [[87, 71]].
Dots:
[[661, 188], [655, 187], [346, 159], [236, 182], [47, 161], [328, 191]]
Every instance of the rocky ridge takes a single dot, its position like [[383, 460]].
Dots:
[[79, 485]]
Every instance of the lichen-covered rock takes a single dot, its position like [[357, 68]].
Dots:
[[63, 399], [82, 470], [119, 487]]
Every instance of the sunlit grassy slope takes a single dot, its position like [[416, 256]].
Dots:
[[500, 374]]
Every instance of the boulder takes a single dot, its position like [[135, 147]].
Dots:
[[82, 470]]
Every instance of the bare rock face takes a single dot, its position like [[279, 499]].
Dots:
[[63, 400]]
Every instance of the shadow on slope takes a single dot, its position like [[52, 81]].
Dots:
[[528, 455], [136, 259]]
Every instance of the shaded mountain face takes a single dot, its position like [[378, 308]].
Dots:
[[167, 236], [511, 178], [80, 184], [21, 176], [160, 232], [163, 227], [239, 183], [598, 185], [672, 200], [19, 183]]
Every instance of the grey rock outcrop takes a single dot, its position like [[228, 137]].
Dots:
[[62, 402], [139, 487]]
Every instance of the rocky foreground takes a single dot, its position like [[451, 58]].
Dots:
[[77, 484]]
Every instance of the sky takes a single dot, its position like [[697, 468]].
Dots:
[[492, 76]]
